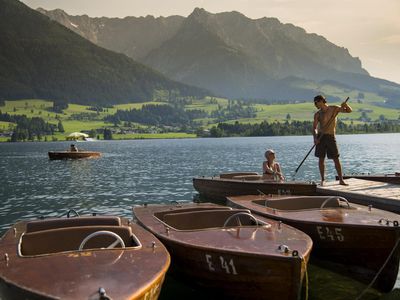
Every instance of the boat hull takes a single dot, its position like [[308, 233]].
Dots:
[[215, 259], [80, 274], [217, 188], [344, 236], [72, 155]]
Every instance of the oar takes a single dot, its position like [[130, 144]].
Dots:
[[308, 153]]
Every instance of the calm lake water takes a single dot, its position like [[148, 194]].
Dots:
[[159, 171]]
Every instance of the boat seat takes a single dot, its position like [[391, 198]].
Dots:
[[203, 219], [231, 175], [70, 238], [39, 225], [248, 177], [161, 214], [299, 203]]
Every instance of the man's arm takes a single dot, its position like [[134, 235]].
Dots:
[[315, 128]]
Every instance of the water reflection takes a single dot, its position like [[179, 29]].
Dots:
[[158, 171]]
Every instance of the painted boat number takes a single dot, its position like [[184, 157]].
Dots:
[[229, 267], [326, 233]]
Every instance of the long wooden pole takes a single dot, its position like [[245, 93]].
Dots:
[[308, 153]]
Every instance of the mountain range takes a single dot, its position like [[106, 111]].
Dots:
[[39, 58], [232, 55]]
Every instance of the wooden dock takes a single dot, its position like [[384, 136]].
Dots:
[[378, 194]]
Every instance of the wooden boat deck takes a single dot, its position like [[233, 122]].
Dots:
[[378, 194], [236, 260], [351, 235], [129, 273]]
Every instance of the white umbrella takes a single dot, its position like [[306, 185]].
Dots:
[[77, 135]]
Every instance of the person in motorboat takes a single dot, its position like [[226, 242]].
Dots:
[[73, 148], [271, 168]]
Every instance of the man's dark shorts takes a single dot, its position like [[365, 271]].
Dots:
[[327, 146]]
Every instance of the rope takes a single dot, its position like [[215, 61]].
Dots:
[[380, 270], [303, 261]]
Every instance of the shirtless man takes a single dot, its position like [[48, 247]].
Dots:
[[324, 129]]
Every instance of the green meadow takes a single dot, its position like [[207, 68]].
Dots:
[[303, 111]]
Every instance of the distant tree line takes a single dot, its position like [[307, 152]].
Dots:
[[29, 129], [157, 115], [296, 128], [233, 111], [176, 115]]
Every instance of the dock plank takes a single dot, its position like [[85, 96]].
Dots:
[[378, 194]]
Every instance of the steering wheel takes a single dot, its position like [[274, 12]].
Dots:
[[72, 211], [103, 232], [336, 198], [237, 216], [344, 200]]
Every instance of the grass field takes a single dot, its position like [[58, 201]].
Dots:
[[264, 112]]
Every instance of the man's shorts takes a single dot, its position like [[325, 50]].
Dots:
[[327, 147]]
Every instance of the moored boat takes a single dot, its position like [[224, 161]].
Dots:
[[248, 183], [389, 178], [72, 154], [81, 258], [230, 251], [364, 239]]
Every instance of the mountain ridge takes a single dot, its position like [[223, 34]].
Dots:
[[39, 58], [238, 57]]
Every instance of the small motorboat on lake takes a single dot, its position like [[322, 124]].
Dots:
[[248, 183], [94, 257], [229, 250], [389, 178], [72, 154], [364, 239]]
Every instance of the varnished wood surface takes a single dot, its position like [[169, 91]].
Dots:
[[389, 178], [356, 215], [124, 274], [353, 236], [259, 265], [217, 188], [378, 194]]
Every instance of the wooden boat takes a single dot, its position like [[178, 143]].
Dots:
[[249, 259], [66, 258], [247, 183], [72, 154], [389, 178], [360, 237]]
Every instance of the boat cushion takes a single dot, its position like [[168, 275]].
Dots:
[[204, 219], [39, 225], [70, 238]]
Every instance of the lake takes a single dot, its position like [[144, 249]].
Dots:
[[159, 171]]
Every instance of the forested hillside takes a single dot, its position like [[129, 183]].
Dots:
[[39, 58]]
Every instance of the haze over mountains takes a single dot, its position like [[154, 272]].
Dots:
[[232, 55], [39, 58]]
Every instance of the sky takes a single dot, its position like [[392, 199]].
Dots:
[[370, 29]]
